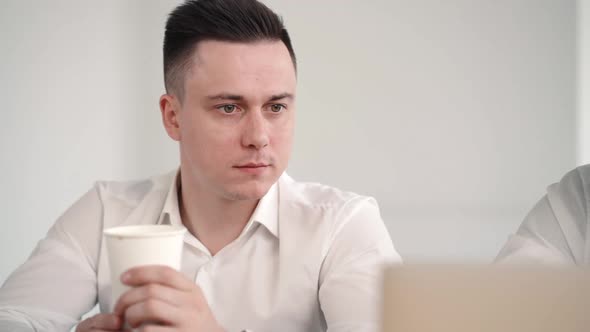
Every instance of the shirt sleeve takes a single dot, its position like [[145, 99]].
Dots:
[[554, 231], [13, 326], [351, 274], [57, 284]]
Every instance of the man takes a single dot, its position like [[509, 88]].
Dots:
[[556, 229], [263, 253]]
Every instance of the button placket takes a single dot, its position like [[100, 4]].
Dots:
[[203, 280]]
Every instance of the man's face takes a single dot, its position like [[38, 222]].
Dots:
[[236, 121]]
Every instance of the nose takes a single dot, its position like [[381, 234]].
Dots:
[[255, 134]]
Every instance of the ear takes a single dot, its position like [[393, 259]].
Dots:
[[170, 108]]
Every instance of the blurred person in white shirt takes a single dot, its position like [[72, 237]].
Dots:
[[263, 252], [556, 230]]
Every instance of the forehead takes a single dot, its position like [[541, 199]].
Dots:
[[241, 68]]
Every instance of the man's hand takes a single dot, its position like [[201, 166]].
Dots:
[[163, 299], [100, 323]]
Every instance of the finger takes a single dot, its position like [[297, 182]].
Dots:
[[158, 274], [150, 291], [107, 322], [151, 312]]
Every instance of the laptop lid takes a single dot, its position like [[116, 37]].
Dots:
[[463, 298]]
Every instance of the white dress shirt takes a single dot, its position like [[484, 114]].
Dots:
[[556, 230], [309, 259]]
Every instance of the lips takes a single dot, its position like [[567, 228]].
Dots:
[[252, 165], [253, 169]]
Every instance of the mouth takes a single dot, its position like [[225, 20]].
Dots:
[[252, 165], [253, 168]]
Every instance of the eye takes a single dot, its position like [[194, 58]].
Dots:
[[228, 109], [276, 108]]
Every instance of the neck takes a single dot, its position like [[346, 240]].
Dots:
[[214, 220]]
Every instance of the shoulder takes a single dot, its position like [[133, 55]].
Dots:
[[319, 197], [572, 190], [131, 202], [110, 202], [132, 192], [555, 230], [317, 211], [106, 204], [578, 178], [343, 225]]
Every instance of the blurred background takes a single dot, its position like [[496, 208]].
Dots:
[[454, 115]]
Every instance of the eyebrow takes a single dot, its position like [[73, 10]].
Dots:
[[281, 96], [229, 96], [225, 96]]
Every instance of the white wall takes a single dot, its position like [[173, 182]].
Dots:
[[79, 84], [455, 115], [583, 119]]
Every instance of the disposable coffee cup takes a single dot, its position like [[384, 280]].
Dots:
[[132, 246]]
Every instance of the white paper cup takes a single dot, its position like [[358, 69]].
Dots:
[[131, 246]]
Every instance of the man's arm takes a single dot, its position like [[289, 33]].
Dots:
[[57, 284], [554, 231], [350, 290]]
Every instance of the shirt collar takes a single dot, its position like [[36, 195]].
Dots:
[[266, 212], [170, 214]]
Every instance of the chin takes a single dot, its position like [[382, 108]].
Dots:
[[251, 190]]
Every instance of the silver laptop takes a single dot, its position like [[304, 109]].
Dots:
[[463, 298]]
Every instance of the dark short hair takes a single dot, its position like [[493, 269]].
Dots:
[[222, 20]]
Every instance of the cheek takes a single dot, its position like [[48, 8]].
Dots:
[[282, 140], [204, 132], [206, 142], [215, 148]]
